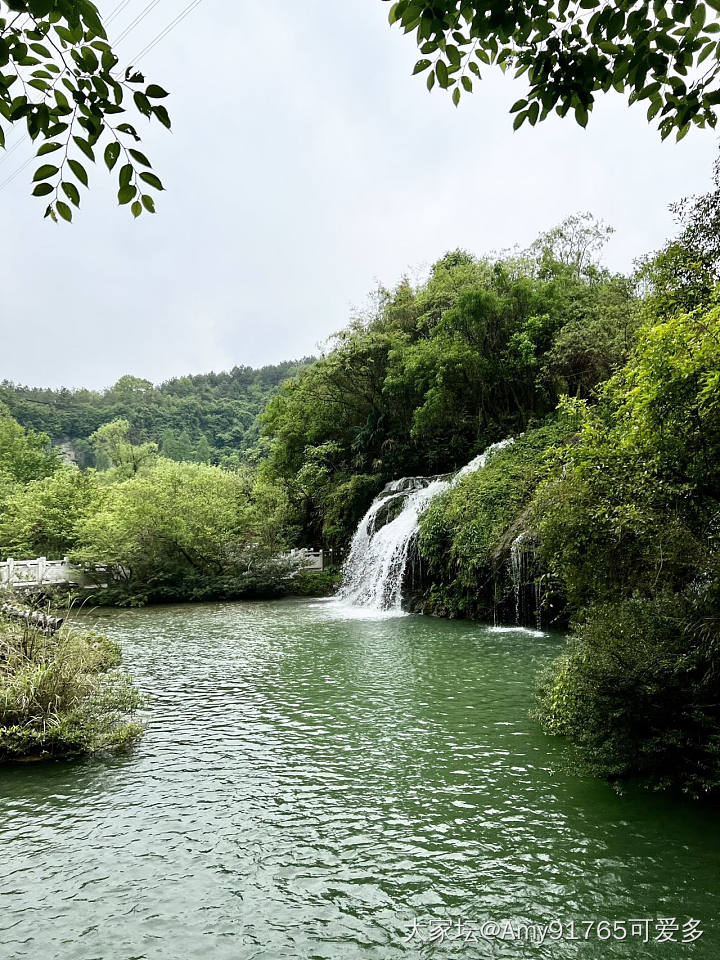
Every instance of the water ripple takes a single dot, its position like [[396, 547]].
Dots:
[[309, 784]]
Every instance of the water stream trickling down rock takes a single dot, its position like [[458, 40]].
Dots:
[[375, 572]]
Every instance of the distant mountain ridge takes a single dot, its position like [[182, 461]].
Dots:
[[209, 417]]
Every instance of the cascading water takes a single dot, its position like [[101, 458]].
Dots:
[[518, 571], [375, 571]]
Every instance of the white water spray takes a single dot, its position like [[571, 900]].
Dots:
[[374, 573]]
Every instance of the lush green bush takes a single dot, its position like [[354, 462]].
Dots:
[[638, 693], [186, 532], [315, 583], [41, 518], [62, 695], [628, 523], [466, 534], [632, 503]]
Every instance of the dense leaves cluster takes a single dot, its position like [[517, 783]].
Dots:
[[439, 371], [60, 77], [206, 418], [666, 55]]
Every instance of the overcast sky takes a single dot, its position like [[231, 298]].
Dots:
[[306, 164]]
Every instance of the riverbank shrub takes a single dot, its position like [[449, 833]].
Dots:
[[628, 520], [42, 518], [62, 695], [638, 694]]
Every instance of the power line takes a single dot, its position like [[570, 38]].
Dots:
[[118, 9], [18, 143], [17, 172], [168, 29], [138, 19], [145, 50]]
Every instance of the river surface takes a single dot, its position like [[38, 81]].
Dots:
[[311, 786]]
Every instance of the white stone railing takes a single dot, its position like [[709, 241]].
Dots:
[[16, 574], [312, 559]]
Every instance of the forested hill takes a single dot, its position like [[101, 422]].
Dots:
[[206, 418]]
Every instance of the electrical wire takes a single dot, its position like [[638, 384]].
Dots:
[[118, 9], [144, 52], [168, 29], [138, 20]]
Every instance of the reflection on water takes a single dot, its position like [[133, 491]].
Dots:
[[311, 783]]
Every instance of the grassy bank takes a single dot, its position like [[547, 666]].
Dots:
[[63, 695]]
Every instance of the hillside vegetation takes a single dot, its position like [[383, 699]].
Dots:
[[602, 514], [206, 418]]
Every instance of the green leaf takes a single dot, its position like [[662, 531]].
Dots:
[[71, 192], [79, 170], [142, 103], [43, 189], [421, 65], [456, 96], [136, 209], [126, 172], [148, 202], [112, 152], [44, 172], [152, 180], [126, 193], [156, 92], [140, 157], [442, 73], [84, 145], [64, 210], [48, 148], [162, 115], [41, 50]]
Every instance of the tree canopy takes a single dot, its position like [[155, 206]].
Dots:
[[60, 77], [666, 55]]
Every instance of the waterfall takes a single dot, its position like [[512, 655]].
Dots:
[[375, 571], [518, 571]]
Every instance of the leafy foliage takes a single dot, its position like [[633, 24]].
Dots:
[[182, 531], [205, 418], [666, 56], [637, 693], [60, 77], [42, 517], [436, 373], [633, 499], [466, 533], [62, 695], [628, 525], [24, 454]]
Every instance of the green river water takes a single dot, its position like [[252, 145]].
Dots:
[[309, 786]]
